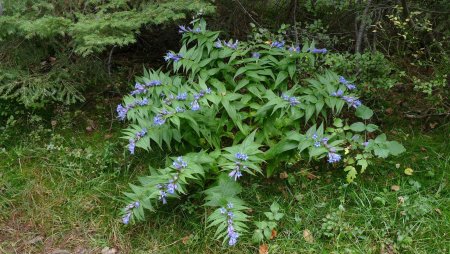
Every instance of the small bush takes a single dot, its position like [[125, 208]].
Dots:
[[236, 110]]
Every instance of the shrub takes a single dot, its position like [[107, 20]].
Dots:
[[234, 110]]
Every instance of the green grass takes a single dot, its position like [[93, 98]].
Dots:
[[66, 186]]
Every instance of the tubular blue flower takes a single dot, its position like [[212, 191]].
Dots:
[[232, 45], [293, 101], [179, 163], [153, 83], [208, 90], [179, 109], [159, 120], [319, 51], [350, 86], [294, 49], [141, 133], [131, 146], [317, 144], [315, 136], [230, 205], [233, 238], [143, 102], [365, 143], [277, 44], [122, 112], [352, 101], [223, 210], [171, 187], [195, 106], [285, 97], [241, 156], [343, 80], [182, 96], [138, 89], [126, 218], [325, 141], [338, 93], [333, 157], [162, 194], [218, 44], [236, 173], [171, 56], [182, 29], [256, 55]]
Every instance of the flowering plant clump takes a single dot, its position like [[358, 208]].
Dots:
[[238, 110]]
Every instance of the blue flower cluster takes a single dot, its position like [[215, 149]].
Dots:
[[230, 44], [333, 157], [171, 186], [346, 83], [128, 211], [256, 55], [237, 171], [183, 29], [351, 101], [172, 56], [142, 88], [292, 100], [133, 141], [123, 111], [233, 235], [294, 49], [277, 44]]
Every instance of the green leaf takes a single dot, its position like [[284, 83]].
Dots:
[[364, 112], [351, 173], [395, 148], [371, 127], [358, 127], [282, 75]]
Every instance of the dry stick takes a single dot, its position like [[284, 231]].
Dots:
[[295, 22], [110, 59], [248, 13]]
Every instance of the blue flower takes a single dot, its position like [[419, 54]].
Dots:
[[142, 102], [179, 109], [319, 51], [182, 29], [230, 205], [222, 210], [218, 44], [236, 173], [126, 218], [233, 238], [131, 146], [343, 80], [241, 156], [171, 187], [365, 143], [122, 112], [179, 163], [338, 93], [315, 136], [159, 119], [162, 194], [285, 97], [294, 49], [139, 89], [293, 101], [317, 144], [333, 157], [153, 83], [232, 235], [141, 133], [325, 141], [350, 86], [182, 96], [256, 55], [232, 45], [195, 106], [171, 56], [352, 101], [277, 44]]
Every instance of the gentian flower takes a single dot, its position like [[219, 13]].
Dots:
[[352, 101], [277, 44], [179, 163], [333, 157], [122, 112], [159, 120], [315, 136], [294, 49], [319, 51], [232, 45], [241, 156], [138, 89], [236, 173], [126, 218], [338, 93], [195, 106], [218, 44], [171, 56], [153, 83], [256, 55], [293, 101], [317, 144], [171, 187], [179, 109], [182, 96], [131, 146]]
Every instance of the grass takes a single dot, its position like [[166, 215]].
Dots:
[[61, 189]]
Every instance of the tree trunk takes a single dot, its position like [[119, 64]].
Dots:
[[362, 28]]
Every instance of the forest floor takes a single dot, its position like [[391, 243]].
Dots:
[[62, 183]]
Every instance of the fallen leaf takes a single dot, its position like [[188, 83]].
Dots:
[[423, 149], [54, 122], [409, 171], [389, 111], [433, 125], [274, 234], [185, 239], [263, 249], [308, 236], [438, 211], [395, 188], [107, 250], [283, 175], [401, 199], [397, 165]]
